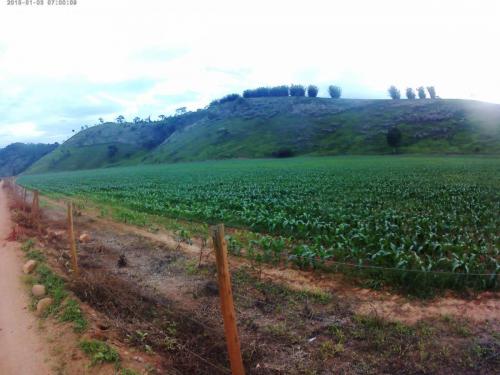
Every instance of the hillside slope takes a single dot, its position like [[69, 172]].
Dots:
[[260, 127], [17, 157]]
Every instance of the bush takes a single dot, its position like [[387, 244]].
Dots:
[[394, 138], [99, 352], [410, 94], [394, 93], [279, 91], [112, 151], [229, 98], [260, 92], [297, 90], [432, 92], [421, 93], [312, 91], [334, 91], [283, 153]]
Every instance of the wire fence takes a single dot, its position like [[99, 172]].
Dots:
[[22, 193], [308, 262]]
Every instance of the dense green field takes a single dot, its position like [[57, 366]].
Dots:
[[411, 213]]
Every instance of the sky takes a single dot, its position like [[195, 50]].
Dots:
[[63, 67]]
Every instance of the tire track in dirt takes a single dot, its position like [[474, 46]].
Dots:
[[22, 350]]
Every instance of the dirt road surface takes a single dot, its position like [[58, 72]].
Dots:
[[22, 350]]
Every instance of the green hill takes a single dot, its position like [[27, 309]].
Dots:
[[17, 157], [262, 127]]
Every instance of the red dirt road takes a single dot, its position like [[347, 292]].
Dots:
[[22, 350]]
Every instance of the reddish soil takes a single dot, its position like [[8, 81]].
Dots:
[[148, 291], [480, 307], [22, 349]]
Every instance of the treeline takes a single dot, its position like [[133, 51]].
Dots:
[[281, 91], [395, 94]]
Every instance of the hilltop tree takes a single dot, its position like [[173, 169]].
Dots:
[[297, 90], [312, 91], [335, 91], [259, 92], [101, 121], [394, 138], [394, 92], [137, 120], [432, 92], [180, 111], [120, 119], [277, 91], [162, 117], [228, 98], [421, 93], [410, 94]]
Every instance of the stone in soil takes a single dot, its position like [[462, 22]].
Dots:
[[29, 266], [43, 305], [84, 238], [38, 290]]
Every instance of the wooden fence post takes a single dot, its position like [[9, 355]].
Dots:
[[35, 206], [71, 240], [226, 300]]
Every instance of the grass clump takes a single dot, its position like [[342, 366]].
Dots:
[[53, 283], [71, 312], [28, 245], [35, 255], [99, 352], [126, 371]]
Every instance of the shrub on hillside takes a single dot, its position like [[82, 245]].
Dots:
[[410, 94], [283, 153], [297, 90], [334, 91], [312, 91], [432, 92], [394, 138], [421, 93], [226, 99], [112, 151], [279, 91], [260, 92], [394, 92]]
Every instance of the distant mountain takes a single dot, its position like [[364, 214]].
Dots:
[[17, 157], [284, 126]]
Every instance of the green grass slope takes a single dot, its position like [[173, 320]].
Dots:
[[259, 127], [102, 146], [17, 157]]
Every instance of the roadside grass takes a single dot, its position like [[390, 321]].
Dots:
[[63, 308], [67, 310], [73, 313], [99, 352]]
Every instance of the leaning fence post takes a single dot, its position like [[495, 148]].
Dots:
[[71, 240], [35, 207], [226, 300], [24, 200]]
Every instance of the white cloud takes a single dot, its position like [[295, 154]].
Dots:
[[53, 59], [20, 130]]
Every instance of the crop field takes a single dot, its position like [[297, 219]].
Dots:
[[409, 222]]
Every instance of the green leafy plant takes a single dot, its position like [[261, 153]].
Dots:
[[99, 352]]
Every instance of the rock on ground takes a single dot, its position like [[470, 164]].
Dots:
[[29, 266], [84, 238], [43, 305], [38, 290]]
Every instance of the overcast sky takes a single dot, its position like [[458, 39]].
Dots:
[[62, 67]]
